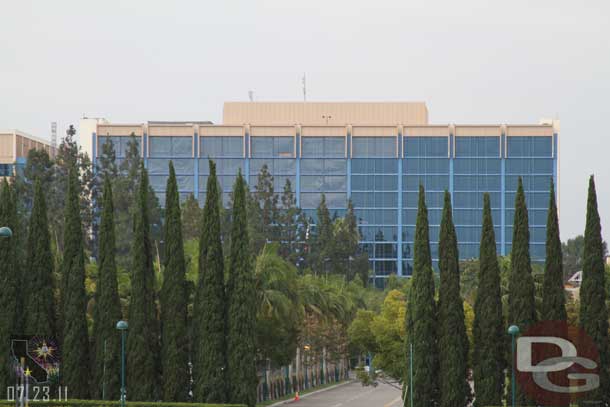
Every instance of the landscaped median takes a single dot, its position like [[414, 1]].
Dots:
[[114, 403]]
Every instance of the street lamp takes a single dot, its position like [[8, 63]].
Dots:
[[122, 326], [5, 231], [513, 331]]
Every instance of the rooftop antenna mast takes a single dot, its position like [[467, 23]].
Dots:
[[251, 95], [304, 80], [54, 134]]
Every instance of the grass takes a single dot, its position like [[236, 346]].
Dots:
[[301, 393]]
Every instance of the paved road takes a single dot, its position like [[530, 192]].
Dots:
[[353, 395]]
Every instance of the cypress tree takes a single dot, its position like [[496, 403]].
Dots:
[[174, 335], [75, 361], [39, 303], [107, 311], [521, 290], [593, 309], [142, 336], [10, 278], [488, 325], [553, 293], [210, 305], [421, 317], [453, 341], [241, 296]]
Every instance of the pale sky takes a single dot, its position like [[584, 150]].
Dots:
[[471, 61]]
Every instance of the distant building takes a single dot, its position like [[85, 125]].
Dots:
[[376, 154], [14, 148], [86, 127]]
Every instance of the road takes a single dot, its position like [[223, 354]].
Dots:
[[353, 395]]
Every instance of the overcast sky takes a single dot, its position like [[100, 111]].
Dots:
[[470, 61]]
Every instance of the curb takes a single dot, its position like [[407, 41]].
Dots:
[[279, 403]]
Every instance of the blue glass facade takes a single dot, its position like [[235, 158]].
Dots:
[[381, 173]]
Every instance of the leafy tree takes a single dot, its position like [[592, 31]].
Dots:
[[553, 297], [191, 218], [267, 200], [346, 238], [142, 346], [241, 298], [453, 341], [521, 299], [210, 308], [74, 298], [323, 244], [488, 325], [361, 334], [593, 296], [421, 321], [278, 306], [39, 304], [174, 339], [256, 231], [10, 276], [287, 217], [572, 251], [388, 328], [107, 311]]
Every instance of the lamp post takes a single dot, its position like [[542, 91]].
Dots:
[[513, 331], [122, 326], [5, 231]]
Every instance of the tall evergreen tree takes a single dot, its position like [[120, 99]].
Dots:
[[174, 338], [521, 289], [346, 248], [209, 344], [191, 218], [593, 309], [288, 216], [488, 326], [39, 304], [323, 242], [107, 311], [75, 359], [453, 341], [10, 280], [421, 318], [242, 306], [264, 193], [142, 337], [553, 293]]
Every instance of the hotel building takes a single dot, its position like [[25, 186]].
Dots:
[[376, 154]]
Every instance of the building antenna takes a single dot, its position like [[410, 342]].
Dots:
[[54, 134], [304, 80], [251, 95]]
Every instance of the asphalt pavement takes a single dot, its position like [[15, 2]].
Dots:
[[353, 395]]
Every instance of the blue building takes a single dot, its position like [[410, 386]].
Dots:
[[377, 154]]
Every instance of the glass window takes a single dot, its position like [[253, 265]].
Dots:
[[333, 200], [530, 146], [158, 182], [477, 146], [161, 165], [430, 182], [374, 182], [275, 167], [374, 200], [171, 146], [373, 147], [323, 146], [376, 166], [185, 182], [477, 183], [530, 182], [385, 250], [426, 166], [222, 147], [477, 165], [272, 146], [475, 199], [327, 167], [182, 146], [426, 146], [378, 233], [433, 199], [529, 166], [228, 166]]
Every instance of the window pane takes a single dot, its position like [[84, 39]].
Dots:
[[530, 146], [373, 147], [426, 146], [182, 146], [160, 146], [262, 146], [477, 146]]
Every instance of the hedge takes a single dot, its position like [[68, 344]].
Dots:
[[113, 403]]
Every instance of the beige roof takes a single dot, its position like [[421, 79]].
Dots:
[[325, 113]]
